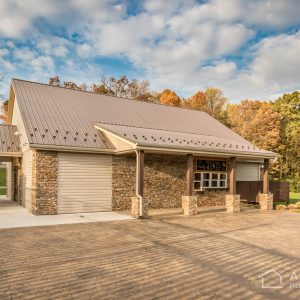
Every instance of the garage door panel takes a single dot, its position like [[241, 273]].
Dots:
[[84, 182]]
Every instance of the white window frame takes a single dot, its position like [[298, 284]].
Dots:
[[210, 180]]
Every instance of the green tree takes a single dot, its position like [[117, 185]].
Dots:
[[289, 108]]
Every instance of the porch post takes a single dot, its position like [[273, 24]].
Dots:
[[189, 175], [189, 202], [232, 176], [139, 204], [266, 176], [232, 199], [266, 198], [140, 157]]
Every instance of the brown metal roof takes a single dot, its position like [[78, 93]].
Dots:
[[173, 139], [9, 140], [64, 117]]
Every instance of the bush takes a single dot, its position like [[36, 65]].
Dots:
[[297, 205], [291, 206], [280, 207]]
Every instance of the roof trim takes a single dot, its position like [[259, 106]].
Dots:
[[206, 153], [10, 154], [71, 149]]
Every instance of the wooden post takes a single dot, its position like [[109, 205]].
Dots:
[[189, 175], [266, 176], [232, 176], [140, 172]]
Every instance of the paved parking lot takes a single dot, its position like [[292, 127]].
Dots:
[[208, 256]]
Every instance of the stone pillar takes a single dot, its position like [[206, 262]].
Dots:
[[266, 201], [189, 205], [233, 203], [135, 207], [44, 182]]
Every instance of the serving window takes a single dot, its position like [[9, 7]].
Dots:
[[210, 174]]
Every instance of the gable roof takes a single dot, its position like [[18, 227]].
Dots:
[[55, 116]]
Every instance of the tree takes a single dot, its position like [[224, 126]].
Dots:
[[197, 102], [54, 81], [4, 106], [123, 87], [289, 108], [256, 122], [216, 103], [72, 85], [168, 97]]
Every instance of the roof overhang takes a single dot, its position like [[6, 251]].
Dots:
[[136, 145]]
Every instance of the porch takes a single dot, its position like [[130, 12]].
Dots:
[[197, 182]]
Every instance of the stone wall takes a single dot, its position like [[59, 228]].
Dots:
[[164, 184], [44, 182]]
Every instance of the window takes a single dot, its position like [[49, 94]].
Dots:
[[213, 180]]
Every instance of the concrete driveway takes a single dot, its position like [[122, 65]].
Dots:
[[13, 215], [208, 256]]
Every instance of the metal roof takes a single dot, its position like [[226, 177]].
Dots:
[[173, 139], [65, 117], [9, 140]]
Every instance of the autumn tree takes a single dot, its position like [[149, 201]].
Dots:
[[54, 81], [4, 105], [256, 122], [72, 85], [123, 87], [197, 102], [168, 97], [289, 108]]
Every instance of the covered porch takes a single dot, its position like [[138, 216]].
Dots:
[[10, 159], [197, 183]]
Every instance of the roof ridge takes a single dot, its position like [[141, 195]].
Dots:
[[112, 96], [168, 130]]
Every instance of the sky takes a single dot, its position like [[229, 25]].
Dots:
[[249, 49]]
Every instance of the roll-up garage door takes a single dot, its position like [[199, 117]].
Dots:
[[247, 171], [84, 182]]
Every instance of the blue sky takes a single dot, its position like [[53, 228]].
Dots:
[[249, 49]]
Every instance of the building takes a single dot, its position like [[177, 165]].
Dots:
[[74, 151]]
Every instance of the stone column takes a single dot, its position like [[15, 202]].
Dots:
[[136, 209], [189, 205], [266, 201], [233, 203]]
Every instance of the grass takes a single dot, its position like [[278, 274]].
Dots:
[[2, 181], [294, 198], [2, 177]]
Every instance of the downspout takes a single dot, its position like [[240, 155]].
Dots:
[[136, 190]]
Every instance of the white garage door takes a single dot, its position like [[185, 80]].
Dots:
[[84, 183], [247, 171]]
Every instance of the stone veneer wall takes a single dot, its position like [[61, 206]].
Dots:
[[164, 184], [44, 182]]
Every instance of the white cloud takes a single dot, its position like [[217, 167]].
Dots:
[[185, 45]]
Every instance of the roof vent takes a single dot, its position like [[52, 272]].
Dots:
[[35, 129], [31, 134], [76, 133], [46, 130], [43, 135], [67, 132], [65, 137], [75, 139], [95, 140], [86, 134], [54, 136], [85, 140], [56, 130]]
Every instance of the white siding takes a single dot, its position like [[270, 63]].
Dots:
[[27, 179], [84, 182], [247, 171], [18, 121]]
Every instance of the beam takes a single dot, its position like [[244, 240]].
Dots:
[[266, 176], [189, 175], [140, 155], [232, 176]]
